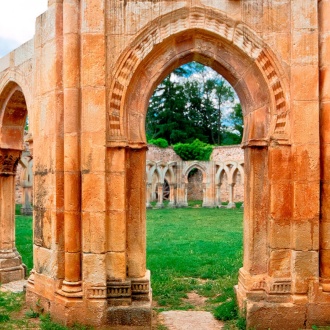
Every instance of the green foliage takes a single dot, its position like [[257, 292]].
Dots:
[[161, 143], [197, 150], [24, 242], [9, 303], [47, 324], [191, 103], [31, 314], [226, 311]]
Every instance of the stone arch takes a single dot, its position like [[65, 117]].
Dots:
[[169, 173], [13, 112], [248, 64], [190, 166], [215, 40], [150, 169]]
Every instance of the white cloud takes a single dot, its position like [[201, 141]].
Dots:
[[17, 22]]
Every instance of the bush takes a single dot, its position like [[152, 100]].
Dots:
[[161, 143], [197, 150]]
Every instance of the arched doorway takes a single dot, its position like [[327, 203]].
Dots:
[[248, 65], [13, 113]]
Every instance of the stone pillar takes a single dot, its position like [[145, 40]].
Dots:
[[26, 208], [148, 195], [72, 180], [324, 8], [160, 188], [136, 228], [231, 204], [252, 276], [11, 267], [116, 215], [172, 195], [26, 184], [218, 201]]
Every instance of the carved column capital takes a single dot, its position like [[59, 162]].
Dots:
[[9, 159]]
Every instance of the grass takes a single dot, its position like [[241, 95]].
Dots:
[[196, 250], [188, 249]]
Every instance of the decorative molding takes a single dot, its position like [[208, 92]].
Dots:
[[97, 292], [279, 126], [176, 22], [9, 159], [119, 290], [280, 287], [140, 289]]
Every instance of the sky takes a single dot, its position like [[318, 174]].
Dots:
[[17, 22]]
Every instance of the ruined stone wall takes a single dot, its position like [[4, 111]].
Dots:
[[227, 153], [156, 154], [223, 154]]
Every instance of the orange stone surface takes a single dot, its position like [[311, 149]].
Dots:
[[85, 81]]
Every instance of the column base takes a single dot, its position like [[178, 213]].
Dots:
[[171, 205], [113, 305], [26, 211], [269, 303], [181, 205], [231, 206], [11, 267]]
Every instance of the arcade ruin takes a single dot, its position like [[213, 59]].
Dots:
[[85, 81]]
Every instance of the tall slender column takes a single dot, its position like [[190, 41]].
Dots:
[[172, 195], [324, 46], [218, 195], [148, 192], [160, 203], [231, 204], [136, 213], [11, 267], [72, 177]]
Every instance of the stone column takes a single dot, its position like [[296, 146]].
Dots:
[[324, 46], [256, 190], [11, 267], [218, 195], [26, 184], [116, 233], [72, 177], [148, 195], [160, 203], [231, 204], [172, 195], [136, 224]]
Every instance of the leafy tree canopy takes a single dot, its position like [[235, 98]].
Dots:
[[193, 102]]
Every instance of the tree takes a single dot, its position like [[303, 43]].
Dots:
[[190, 104]]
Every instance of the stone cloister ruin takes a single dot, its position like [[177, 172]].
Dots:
[[85, 81], [221, 178]]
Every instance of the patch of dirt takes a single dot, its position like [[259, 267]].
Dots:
[[195, 299], [191, 320]]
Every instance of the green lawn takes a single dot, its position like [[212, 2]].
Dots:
[[188, 249], [195, 249]]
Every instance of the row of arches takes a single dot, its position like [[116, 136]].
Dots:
[[171, 179]]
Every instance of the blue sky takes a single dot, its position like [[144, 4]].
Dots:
[[17, 22]]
